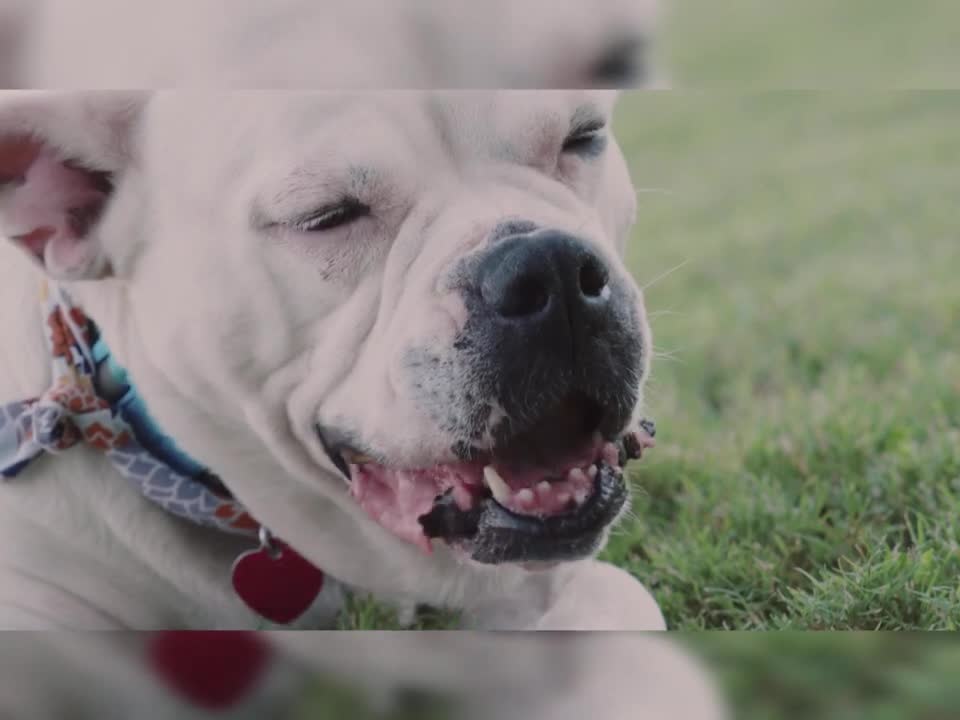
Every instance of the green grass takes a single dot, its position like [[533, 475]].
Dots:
[[808, 473], [365, 613]]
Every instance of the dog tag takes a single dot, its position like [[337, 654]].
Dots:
[[213, 670], [275, 581]]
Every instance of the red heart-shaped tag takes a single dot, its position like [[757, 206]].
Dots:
[[276, 583], [212, 669]]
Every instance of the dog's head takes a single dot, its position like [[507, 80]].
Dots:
[[410, 303], [338, 44]]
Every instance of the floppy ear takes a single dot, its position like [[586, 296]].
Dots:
[[61, 156]]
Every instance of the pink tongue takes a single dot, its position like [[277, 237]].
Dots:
[[396, 499]]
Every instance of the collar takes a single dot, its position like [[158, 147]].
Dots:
[[92, 400]]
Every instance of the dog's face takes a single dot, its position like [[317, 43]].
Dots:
[[422, 293]]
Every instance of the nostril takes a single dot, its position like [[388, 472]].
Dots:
[[526, 296], [593, 278]]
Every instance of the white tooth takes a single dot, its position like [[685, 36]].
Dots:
[[498, 486], [525, 497], [592, 472], [544, 488], [580, 496], [577, 476]]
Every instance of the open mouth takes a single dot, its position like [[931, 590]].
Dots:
[[537, 497]]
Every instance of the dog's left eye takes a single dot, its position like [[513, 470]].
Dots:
[[588, 141], [332, 217]]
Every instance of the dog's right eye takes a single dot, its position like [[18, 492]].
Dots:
[[331, 217], [588, 140]]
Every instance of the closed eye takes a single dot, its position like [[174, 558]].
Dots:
[[331, 217], [589, 140]]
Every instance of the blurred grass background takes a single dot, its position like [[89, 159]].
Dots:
[[752, 44], [835, 676]]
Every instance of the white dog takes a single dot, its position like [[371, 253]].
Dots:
[[330, 44], [396, 326], [296, 281]]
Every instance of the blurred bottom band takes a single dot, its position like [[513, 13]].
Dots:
[[454, 675]]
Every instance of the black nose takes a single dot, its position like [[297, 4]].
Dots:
[[550, 322], [547, 280]]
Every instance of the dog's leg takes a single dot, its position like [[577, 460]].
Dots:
[[601, 596], [586, 595]]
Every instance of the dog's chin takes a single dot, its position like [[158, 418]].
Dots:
[[499, 506]]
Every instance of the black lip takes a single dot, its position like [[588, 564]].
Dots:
[[496, 535], [335, 457]]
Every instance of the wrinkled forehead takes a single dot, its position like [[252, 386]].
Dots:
[[224, 137]]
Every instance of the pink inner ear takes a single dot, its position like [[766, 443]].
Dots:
[[16, 156], [51, 206]]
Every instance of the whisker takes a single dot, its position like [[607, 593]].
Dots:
[[631, 513], [668, 354], [681, 349], [664, 275]]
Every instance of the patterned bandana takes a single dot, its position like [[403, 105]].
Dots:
[[75, 410]]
